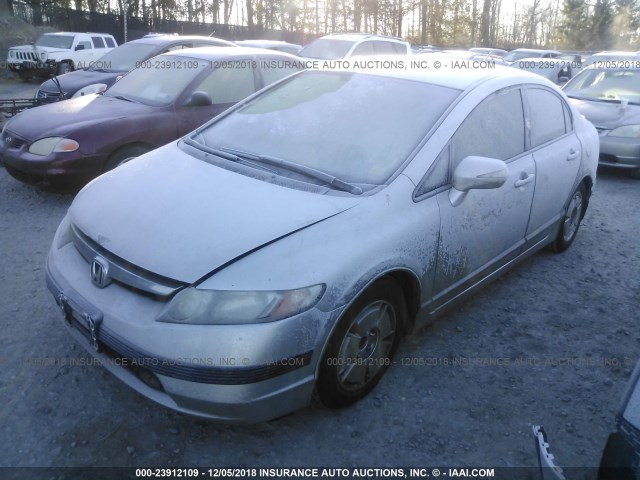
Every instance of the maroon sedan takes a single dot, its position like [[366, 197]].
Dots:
[[64, 145]]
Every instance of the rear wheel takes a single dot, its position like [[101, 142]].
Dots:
[[362, 346], [64, 67], [124, 155], [571, 219]]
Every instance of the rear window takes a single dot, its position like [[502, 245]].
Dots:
[[327, 49]]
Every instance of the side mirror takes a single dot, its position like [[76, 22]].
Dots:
[[79, 47], [477, 173], [198, 99]]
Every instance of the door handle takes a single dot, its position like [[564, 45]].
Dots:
[[573, 154], [524, 180]]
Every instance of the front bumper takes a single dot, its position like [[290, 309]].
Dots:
[[68, 169], [33, 68], [619, 152], [222, 372]]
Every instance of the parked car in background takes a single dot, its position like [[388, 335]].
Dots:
[[608, 58], [280, 46], [610, 99], [346, 45], [102, 73], [287, 245], [64, 145], [464, 55], [522, 53], [555, 69], [620, 458], [498, 52], [59, 53]]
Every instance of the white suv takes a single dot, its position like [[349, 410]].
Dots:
[[59, 53], [346, 45]]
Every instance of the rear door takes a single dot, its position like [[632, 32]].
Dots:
[[557, 154]]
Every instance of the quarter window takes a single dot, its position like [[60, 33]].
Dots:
[[547, 116], [494, 129], [110, 42], [98, 42]]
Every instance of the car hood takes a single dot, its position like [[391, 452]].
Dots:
[[608, 115], [62, 118], [39, 48], [180, 217], [73, 81]]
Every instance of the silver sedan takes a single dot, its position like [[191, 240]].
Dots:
[[285, 247]]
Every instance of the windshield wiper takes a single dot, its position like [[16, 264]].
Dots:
[[297, 168], [240, 157], [122, 97]]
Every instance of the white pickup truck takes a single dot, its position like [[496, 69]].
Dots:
[[59, 53]]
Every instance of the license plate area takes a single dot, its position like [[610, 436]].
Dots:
[[86, 322]]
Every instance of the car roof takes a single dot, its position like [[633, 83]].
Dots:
[[446, 75], [162, 39], [355, 37], [265, 43], [75, 33], [215, 53]]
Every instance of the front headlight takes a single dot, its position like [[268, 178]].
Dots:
[[43, 56], [628, 131], [12, 54], [89, 89], [45, 146], [224, 307]]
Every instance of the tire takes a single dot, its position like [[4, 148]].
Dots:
[[571, 218], [123, 155], [25, 77], [64, 67], [362, 346]]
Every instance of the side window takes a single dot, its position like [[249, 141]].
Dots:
[[438, 174], [110, 42], [494, 129], [399, 48], [365, 48], [547, 116], [384, 48], [228, 85], [98, 42], [86, 45], [274, 69], [180, 46]]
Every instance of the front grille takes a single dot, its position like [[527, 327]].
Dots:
[[12, 141], [48, 97], [126, 273], [31, 56]]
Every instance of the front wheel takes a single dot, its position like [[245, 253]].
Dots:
[[362, 345], [64, 67], [124, 155], [571, 219]]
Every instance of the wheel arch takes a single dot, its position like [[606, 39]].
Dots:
[[588, 185], [124, 147]]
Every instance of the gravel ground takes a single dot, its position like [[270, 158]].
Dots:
[[552, 342]]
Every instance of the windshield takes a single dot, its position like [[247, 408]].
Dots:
[[125, 57], [55, 41], [605, 85], [357, 127], [158, 81], [327, 49]]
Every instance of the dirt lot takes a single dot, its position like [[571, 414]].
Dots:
[[552, 343]]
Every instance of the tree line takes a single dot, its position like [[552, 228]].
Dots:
[[562, 24]]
